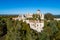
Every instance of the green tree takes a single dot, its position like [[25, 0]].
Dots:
[[49, 16], [36, 16], [3, 27]]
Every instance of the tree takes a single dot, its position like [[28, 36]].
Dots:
[[3, 27], [58, 25], [49, 16], [26, 31], [36, 16], [57, 35]]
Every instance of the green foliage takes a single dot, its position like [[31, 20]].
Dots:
[[58, 25], [36, 16], [3, 27], [51, 29], [57, 35], [49, 16], [19, 30]]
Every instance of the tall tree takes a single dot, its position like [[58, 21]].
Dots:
[[49, 16]]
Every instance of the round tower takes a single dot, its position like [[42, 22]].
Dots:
[[38, 11]]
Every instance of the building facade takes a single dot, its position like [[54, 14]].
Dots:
[[36, 25]]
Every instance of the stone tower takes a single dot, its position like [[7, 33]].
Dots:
[[38, 11]]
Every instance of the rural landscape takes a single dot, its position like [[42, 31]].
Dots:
[[18, 30], [29, 19]]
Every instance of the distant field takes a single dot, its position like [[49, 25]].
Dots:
[[57, 16], [8, 15]]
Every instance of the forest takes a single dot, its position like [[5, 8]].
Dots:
[[19, 30]]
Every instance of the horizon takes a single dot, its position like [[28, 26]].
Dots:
[[29, 6]]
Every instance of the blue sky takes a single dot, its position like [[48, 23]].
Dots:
[[29, 6]]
